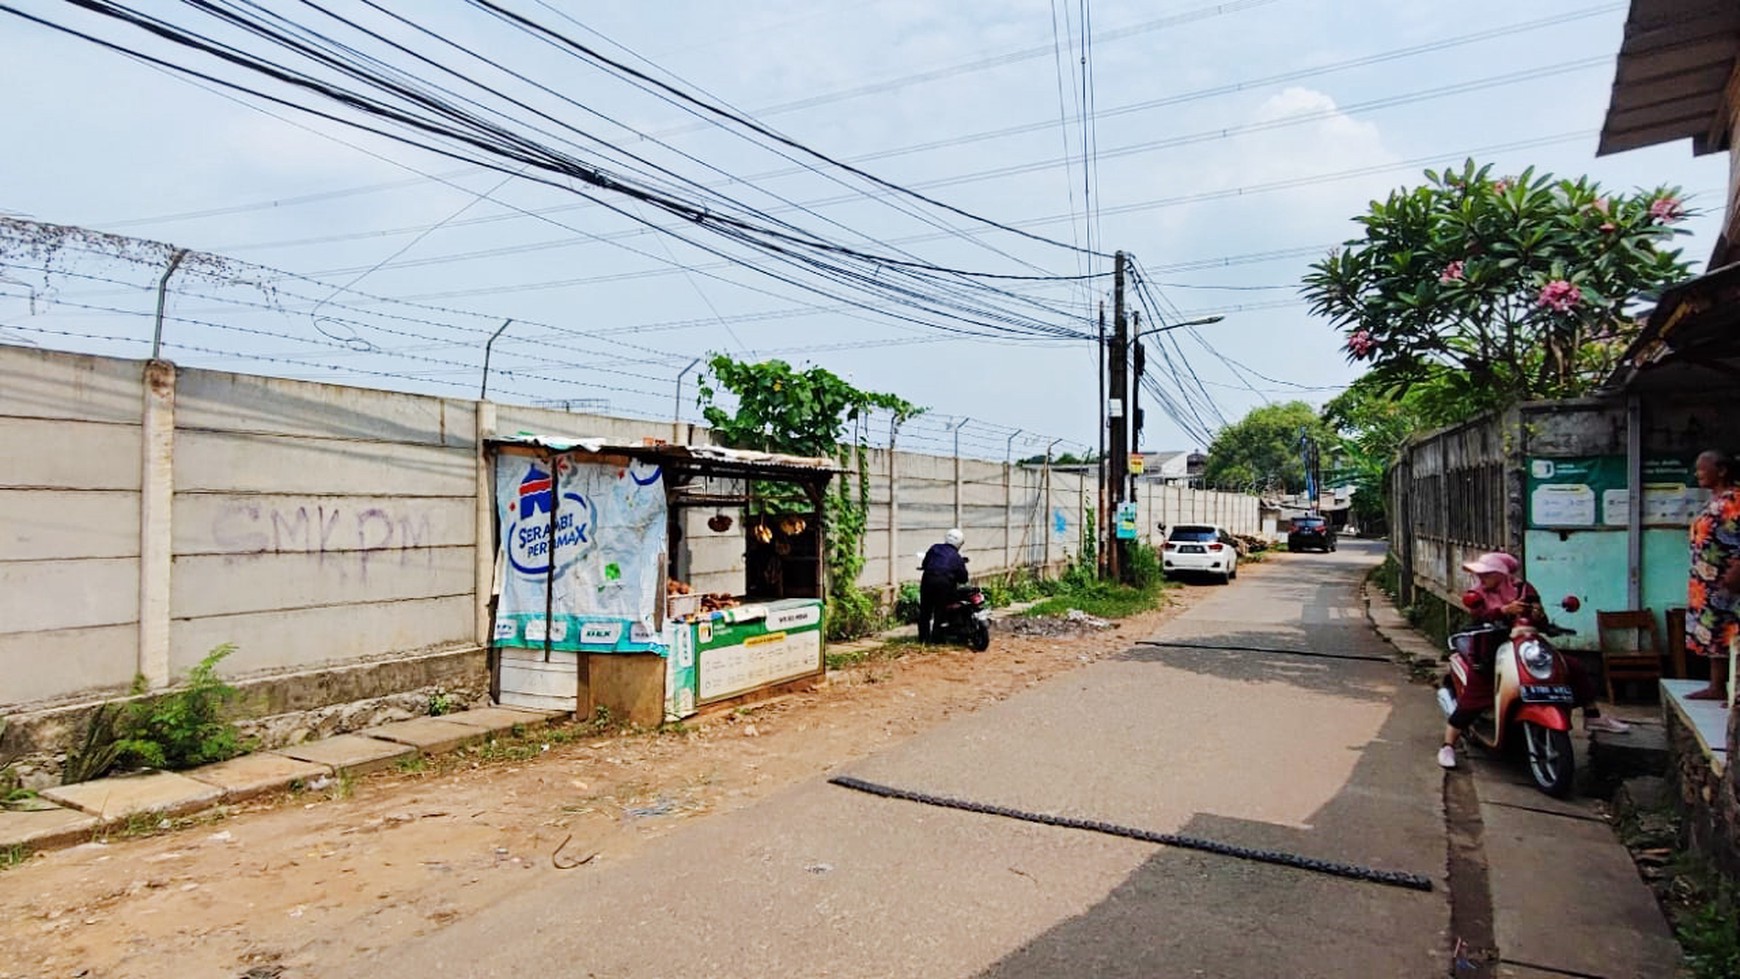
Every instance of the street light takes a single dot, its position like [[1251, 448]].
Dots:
[[1204, 321], [1136, 389]]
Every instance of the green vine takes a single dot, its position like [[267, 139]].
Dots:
[[818, 414]]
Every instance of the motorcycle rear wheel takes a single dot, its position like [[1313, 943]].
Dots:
[[979, 638], [1552, 764]]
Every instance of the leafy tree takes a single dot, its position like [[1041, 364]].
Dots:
[[1262, 451], [1369, 427], [1494, 290], [1065, 459], [809, 413]]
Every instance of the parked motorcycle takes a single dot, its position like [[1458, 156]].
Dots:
[[966, 620], [1519, 683]]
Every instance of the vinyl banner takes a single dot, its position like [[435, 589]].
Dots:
[[591, 541]]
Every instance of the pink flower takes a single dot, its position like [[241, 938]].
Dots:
[[1451, 273], [1601, 204], [1609, 227], [1361, 344], [1501, 185], [1667, 210], [1559, 295]]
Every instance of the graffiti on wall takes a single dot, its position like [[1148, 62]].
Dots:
[[347, 536]]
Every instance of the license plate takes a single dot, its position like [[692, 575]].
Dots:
[[982, 616], [1190, 549], [1556, 693]]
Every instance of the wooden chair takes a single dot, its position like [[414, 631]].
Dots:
[[1638, 656]]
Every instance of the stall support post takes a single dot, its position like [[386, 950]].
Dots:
[[893, 514], [485, 518]]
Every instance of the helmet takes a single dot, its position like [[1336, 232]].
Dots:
[[955, 537]]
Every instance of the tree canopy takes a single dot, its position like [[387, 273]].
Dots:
[[1262, 451], [1492, 290]]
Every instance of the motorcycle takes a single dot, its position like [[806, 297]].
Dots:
[[967, 620], [1520, 685]]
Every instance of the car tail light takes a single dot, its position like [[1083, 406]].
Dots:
[[1171, 546], [1216, 547]]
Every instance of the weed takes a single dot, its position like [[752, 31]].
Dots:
[[97, 752], [413, 764], [1100, 598], [441, 702], [906, 603], [852, 614], [1142, 565], [13, 855], [343, 786], [1710, 934]]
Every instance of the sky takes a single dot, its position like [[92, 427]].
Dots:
[[1232, 144]]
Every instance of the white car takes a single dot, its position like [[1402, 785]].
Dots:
[[1202, 549]]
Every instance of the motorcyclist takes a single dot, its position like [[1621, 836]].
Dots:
[[1500, 597], [944, 570]]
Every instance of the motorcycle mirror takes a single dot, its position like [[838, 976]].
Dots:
[[1571, 603]]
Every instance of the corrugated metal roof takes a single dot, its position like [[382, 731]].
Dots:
[[1672, 75], [1691, 340]]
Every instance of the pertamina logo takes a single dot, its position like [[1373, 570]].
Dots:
[[532, 539]]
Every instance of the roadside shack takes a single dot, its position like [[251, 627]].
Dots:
[[651, 580]]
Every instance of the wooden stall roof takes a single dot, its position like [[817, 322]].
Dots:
[[1672, 76]]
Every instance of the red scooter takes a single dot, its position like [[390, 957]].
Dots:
[[1519, 684]]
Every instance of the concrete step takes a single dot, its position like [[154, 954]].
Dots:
[[1613, 758]]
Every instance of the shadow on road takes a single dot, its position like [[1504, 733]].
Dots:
[[1369, 681], [1183, 913]]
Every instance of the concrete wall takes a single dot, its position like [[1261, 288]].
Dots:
[[69, 522], [149, 514]]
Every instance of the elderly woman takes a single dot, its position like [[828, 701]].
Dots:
[[1713, 593], [1501, 597]]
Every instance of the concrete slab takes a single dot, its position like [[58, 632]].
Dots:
[[1707, 717], [429, 735], [257, 774], [498, 719], [161, 793], [1566, 897], [349, 753], [44, 828], [1503, 783]]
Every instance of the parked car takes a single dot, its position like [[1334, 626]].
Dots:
[[1201, 549], [1311, 533]]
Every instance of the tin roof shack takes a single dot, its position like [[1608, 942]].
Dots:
[[591, 610]]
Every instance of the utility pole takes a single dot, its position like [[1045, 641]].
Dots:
[[1100, 463], [1141, 364], [1119, 450]]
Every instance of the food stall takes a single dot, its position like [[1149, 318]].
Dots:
[[599, 547]]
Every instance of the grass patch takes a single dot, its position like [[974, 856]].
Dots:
[[413, 764], [880, 652], [1102, 599], [14, 855]]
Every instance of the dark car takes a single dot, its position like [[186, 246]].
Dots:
[[1311, 533]]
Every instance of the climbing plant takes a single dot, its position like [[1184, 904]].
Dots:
[[816, 413]]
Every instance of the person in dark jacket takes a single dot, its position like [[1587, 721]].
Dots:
[[944, 570]]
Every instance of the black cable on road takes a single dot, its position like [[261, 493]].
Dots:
[[1264, 649], [1390, 878]]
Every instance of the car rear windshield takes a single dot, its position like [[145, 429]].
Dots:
[[1193, 534], [1309, 523]]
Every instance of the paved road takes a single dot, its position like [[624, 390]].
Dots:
[[1326, 757]]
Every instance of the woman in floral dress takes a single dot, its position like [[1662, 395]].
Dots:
[[1713, 595]]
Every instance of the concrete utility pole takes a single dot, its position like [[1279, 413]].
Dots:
[[1141, 363], [1118, 451], [1100, 463]]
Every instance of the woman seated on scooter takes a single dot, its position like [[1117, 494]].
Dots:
[[1500, 597]]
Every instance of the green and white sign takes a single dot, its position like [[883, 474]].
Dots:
[[1592, 492]]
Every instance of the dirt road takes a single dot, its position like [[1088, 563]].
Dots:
[[291, 885]]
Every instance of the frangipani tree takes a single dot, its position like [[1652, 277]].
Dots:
[[1495, 290]]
